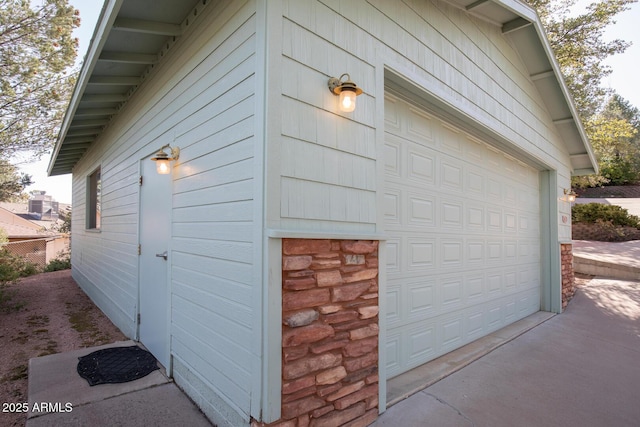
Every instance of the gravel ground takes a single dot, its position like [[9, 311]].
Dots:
[[43, 314]]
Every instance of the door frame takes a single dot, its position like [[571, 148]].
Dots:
[[168, 365]]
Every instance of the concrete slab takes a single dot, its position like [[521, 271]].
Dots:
[[405, 385], [55, 378], [59, 396], [619, 253], [421, 410], [162, 405], [619, 260], [577, 368]]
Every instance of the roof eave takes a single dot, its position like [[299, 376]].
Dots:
[[105, 22], [527, 12]]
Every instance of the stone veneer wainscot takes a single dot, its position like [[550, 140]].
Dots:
[[568, 278], [329, 333]]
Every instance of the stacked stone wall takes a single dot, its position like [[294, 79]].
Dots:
[[329, 333], [568, 278]]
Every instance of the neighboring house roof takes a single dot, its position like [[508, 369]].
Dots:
[[22, 211], [17, 227], [114, 69]]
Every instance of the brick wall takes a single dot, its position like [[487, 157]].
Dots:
[[329, 333], [568, 279]]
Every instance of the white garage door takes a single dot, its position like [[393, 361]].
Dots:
[[463, 248]]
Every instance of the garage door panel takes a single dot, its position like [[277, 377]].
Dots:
[[393, 305], [452, 213], [421, 299], [451, 174], [421, 210], [420, 254], [463, 248], [393, 206], [421, 166], [475, 217], [392, 251], [392, 156], [393, 354], [419, 124]]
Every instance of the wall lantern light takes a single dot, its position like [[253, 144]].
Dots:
[[569, 195], [163, 160], [347, 90]]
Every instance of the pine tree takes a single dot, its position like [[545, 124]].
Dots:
[[36, 52]]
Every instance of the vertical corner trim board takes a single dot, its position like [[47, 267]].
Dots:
[[329, 332]]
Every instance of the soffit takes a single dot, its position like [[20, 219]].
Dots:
[[522, 26], [132, 35], [130, 38]]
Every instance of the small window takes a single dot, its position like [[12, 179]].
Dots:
[[93, 200]]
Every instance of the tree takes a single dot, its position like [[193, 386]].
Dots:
[[65, 217], [579, 46], [614, 133], [36, 51], [12, 183], [619, 108]]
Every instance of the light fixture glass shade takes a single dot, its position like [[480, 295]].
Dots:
[[347, 101], [163, 167]]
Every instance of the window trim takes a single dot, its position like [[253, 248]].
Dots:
[[94, 200]]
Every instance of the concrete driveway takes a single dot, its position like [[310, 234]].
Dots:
[[580, 368]]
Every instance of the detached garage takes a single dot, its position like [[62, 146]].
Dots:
[[284, 252]]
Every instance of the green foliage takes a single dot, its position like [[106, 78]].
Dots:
[[577, 40], [618, 171], [588, 181], [612, 125], [61, 262], [615, 136], [13, 267], [65, 216], [12, 183], [36, 50], [601, 213]]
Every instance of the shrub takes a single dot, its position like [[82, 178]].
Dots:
[[12, 267], [598, 212], [62, 262]]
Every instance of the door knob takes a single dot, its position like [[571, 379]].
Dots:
[[163, 255]]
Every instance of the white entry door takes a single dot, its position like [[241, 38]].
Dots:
[[155, 227], [463, 249]]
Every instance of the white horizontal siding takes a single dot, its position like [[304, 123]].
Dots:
[[460, 59], [201, 99]]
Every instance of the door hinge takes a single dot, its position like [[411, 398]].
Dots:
[[139, 249], [140, 180], [138, 318]]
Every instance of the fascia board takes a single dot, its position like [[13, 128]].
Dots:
[[527, 12], [106, 19]]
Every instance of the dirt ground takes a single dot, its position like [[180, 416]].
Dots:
[[43, 314]]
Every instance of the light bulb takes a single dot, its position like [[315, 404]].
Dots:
[[347, 101], [163, 167]]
